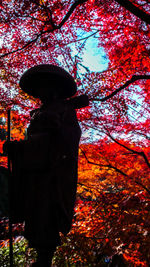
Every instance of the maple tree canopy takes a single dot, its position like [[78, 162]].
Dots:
[[115, 127]]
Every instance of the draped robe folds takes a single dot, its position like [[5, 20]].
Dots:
[[44, 174]]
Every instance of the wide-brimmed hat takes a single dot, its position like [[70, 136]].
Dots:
[[48, 79]]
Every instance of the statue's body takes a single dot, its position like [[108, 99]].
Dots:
[[45, 170]]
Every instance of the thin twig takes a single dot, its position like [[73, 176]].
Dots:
[[141, 153], [116, 169], [132, 80]]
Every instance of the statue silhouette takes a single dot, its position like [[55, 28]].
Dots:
[[44, 167]]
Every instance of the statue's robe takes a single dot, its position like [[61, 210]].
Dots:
[[44, 174]]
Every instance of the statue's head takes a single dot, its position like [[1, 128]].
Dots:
[[48, 82]]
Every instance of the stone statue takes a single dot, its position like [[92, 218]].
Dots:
[[44, 167]]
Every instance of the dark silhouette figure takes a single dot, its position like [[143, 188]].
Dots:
[[44, 167]]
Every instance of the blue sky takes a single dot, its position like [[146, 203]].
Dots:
[[94, 57]]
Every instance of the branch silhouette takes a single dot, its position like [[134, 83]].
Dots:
[[117, 170], [135, 10], [52, 29], [132, 80], [140, 153]]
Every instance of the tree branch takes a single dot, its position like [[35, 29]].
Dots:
[[23, 47], [71, 10], [105, 166], [88, 188], [141, 153], [132, 80], [116, 169], [135, 10], [54, 27]]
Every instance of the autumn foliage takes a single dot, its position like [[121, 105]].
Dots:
[[113, 198]]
